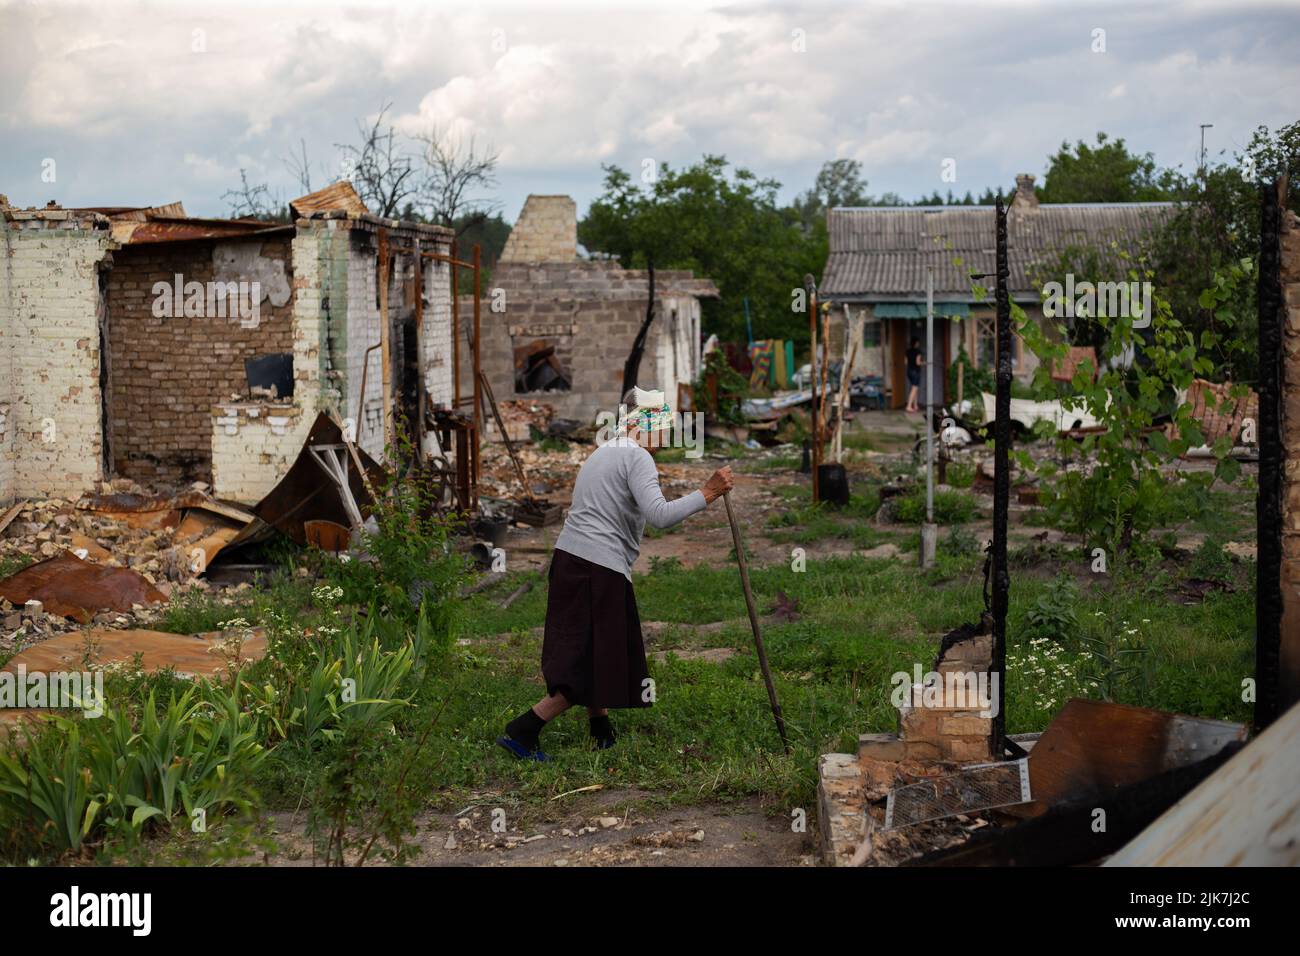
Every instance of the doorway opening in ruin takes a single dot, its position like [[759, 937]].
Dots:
[[105, 389], [408, 379]]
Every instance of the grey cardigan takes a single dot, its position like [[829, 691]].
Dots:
[[616, 494]]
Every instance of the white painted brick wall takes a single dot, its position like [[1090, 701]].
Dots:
[[50, 415], [254, 444], [363, 331], [253, 447], [436, 331]]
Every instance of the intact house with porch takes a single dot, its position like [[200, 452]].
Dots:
[[875, 276]]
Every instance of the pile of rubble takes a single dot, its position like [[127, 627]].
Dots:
[[108, 559]]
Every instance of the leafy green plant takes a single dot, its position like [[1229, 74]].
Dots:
[[1211, 562], [1053, 615], [950, 507], [1116, 661], [960, 474], [731, 387], [1109, 488], [77, 781], [411, 567]]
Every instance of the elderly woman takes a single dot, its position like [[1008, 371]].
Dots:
[[592, 653]]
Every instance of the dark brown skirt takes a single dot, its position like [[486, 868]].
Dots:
[[592, 651]]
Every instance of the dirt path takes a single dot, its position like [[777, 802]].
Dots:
[[605, 828]]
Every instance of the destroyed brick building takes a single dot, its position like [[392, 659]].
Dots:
[[131, 340], [556, 329]]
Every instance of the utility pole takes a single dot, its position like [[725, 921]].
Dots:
[[1204, 127]]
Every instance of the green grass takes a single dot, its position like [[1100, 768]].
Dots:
[[807, 523], [950, 507], [710, 735], [13, 563]]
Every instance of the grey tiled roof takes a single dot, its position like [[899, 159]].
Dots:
[[882, 252]]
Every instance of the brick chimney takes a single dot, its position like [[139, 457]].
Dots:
[[547, 231], [1025, 198]]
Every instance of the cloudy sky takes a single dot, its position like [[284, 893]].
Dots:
[[141, 103]]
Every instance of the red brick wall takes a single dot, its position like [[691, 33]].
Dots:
[[166, 373]]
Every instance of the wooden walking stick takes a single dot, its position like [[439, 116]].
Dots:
[[753, 621]]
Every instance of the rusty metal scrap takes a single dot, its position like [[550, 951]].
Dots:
[[339, 197], [1096, 747], [206, 654], [306, 492], [70, 587]]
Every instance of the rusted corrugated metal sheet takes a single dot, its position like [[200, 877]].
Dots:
[[203, 655], [129, 232], [339, 197], [73, 588], [171, 210]]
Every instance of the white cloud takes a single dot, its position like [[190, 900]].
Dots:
[[559, 89]]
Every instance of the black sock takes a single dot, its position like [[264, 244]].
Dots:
[[525, 728], [601, 728]]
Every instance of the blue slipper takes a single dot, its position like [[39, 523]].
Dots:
[[522, 752]]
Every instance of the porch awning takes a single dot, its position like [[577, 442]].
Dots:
[[916, 310]]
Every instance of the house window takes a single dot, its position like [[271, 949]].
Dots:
[[871, 335], [986, 343]]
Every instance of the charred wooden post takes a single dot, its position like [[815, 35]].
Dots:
[[632, 366], [1268, 506], [1001, 485]]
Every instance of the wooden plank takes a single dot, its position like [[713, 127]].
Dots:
[[11, 514]]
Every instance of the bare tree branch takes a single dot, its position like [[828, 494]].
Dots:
[[454, 170], [254, 201], [300, 167], [382, 172]]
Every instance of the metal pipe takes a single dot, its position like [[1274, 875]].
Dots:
[[438, 256], [384, 341], [455, 330], [478, 381], [1001, 484], [361, 400], [929, 395]]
